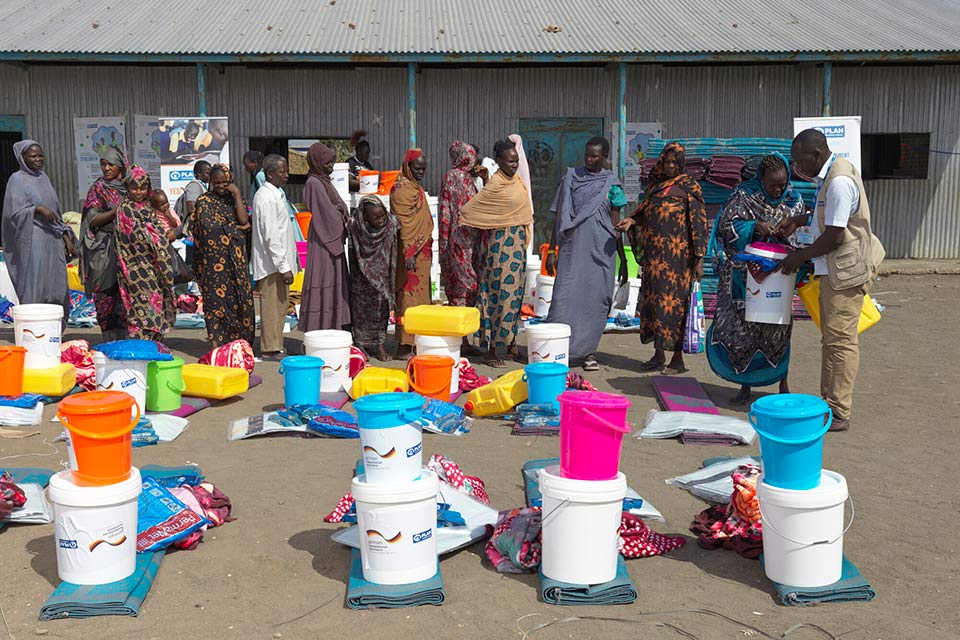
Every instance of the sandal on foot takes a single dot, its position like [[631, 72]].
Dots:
[[651, 365], [496, 363], [591, 364], [673, 371]]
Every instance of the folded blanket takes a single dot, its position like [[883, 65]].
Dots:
[[851, 587], [23, 401], [620, 590], [367, 595], [713, 481], [707, 439], [121, 598], [670, 424]]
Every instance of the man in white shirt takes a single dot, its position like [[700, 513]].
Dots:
[[845, 253], [274, 256]]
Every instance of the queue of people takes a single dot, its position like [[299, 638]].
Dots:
[[485, 227]]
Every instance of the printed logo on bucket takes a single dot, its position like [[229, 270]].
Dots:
[[373, 533], [127, 383], [423, 535], [68, 544], [115, 543], [542, 356], [388, 454], [774, 294], [35, 336], [414, 450]]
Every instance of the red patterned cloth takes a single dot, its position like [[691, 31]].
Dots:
[[11, 496], [637, 540], [342, 508], [576, 381], [77, 353], [515, 545], [237, 354], [735, 526], [469, 378], [449, 472]]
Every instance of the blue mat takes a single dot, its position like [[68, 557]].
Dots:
[[367, 595], [172, 477], [620, 590], [121, 598], [851, 587]]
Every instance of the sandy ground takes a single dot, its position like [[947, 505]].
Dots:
[[274, 572]]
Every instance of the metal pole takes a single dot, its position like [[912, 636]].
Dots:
[[412, 101], [827, 86], [622, 124], [201, 90]]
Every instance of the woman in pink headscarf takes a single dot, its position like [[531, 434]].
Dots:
[[523, 170], [326, 288]]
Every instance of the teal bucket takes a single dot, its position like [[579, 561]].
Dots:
[[388, 410], [301, 380], [791, 427], [546, 381]]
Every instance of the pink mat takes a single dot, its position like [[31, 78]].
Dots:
[[335, 400], [683, 394]]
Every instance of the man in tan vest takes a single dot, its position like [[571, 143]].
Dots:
[[845, 253]]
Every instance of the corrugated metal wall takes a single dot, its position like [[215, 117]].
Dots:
[[914, 218]]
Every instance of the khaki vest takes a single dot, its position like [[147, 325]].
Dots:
[[860, 253]]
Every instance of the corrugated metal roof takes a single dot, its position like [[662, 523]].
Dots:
[[461, 27]]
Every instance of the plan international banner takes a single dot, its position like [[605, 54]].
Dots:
[[184, 141], [843, 134]]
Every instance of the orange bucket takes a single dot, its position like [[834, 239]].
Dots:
[[11, 370], [430, 376], [387, 180], [303, 219], [100, 435]]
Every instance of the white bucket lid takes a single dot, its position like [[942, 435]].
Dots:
[[341, 166], [37, 312], [831, 492], [542, 279], [766, 253], [64, 492], [548, 330], [328, 338], [426, 486], [451, 342], [556, 486]]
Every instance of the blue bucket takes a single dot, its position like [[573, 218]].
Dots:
[[301, 380], [546, 381], [791, 428], [388, 410]]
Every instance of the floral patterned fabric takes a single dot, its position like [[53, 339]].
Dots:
[[458, 273], [144, 275], [672, 229], [500, 294], [98, 251], [220, 265]]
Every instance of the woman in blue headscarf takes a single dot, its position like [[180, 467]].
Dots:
[[750, 354]]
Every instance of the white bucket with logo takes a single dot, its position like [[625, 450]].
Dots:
[[633, 299], [391, 436], [580, 527], [341, 180], [369, 183], [129, 376], [397, 522], [770, 301], [544, 296], [37, 328], [548, 342], [803, 531], [443, 346], [95, 529], [530, 280], [333, 347]]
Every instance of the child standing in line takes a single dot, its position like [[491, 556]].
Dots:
[[168, 218], [373, 263]]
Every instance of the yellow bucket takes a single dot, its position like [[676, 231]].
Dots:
[[810, 296]]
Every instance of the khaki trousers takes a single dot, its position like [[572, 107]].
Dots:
[[840, 353], [274, 298]]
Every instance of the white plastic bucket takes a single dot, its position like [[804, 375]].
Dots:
[[129, 376], [580, 527], [369, 183], [632, 300], [548, 342], [543, 296], [397, 521], [530, 280], [37, 328], [443, 346], [770, 301], [96, 529], [341, 180], [803, 531], [333, 347]]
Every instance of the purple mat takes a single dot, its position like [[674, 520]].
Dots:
[[190, 406], [683, 394], [334, 400]]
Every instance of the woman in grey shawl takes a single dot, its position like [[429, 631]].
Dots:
[[98, 262], [588, 206], [36, 241]]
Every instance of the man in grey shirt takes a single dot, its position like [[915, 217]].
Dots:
[[188, 201]]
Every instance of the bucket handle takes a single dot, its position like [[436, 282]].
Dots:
[[421, 390], [546, 516], [606, 422], [177, 388], [826, 427], [767, 523], [409, 416], [101, 436]]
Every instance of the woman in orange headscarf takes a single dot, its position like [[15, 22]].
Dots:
[[408, 202]]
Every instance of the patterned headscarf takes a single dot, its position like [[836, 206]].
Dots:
[[375, 249], [657, 176], [462, 155], [138, 177], [225, 169]]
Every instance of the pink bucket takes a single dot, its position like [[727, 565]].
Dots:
[[592, 425], [302, 252]]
